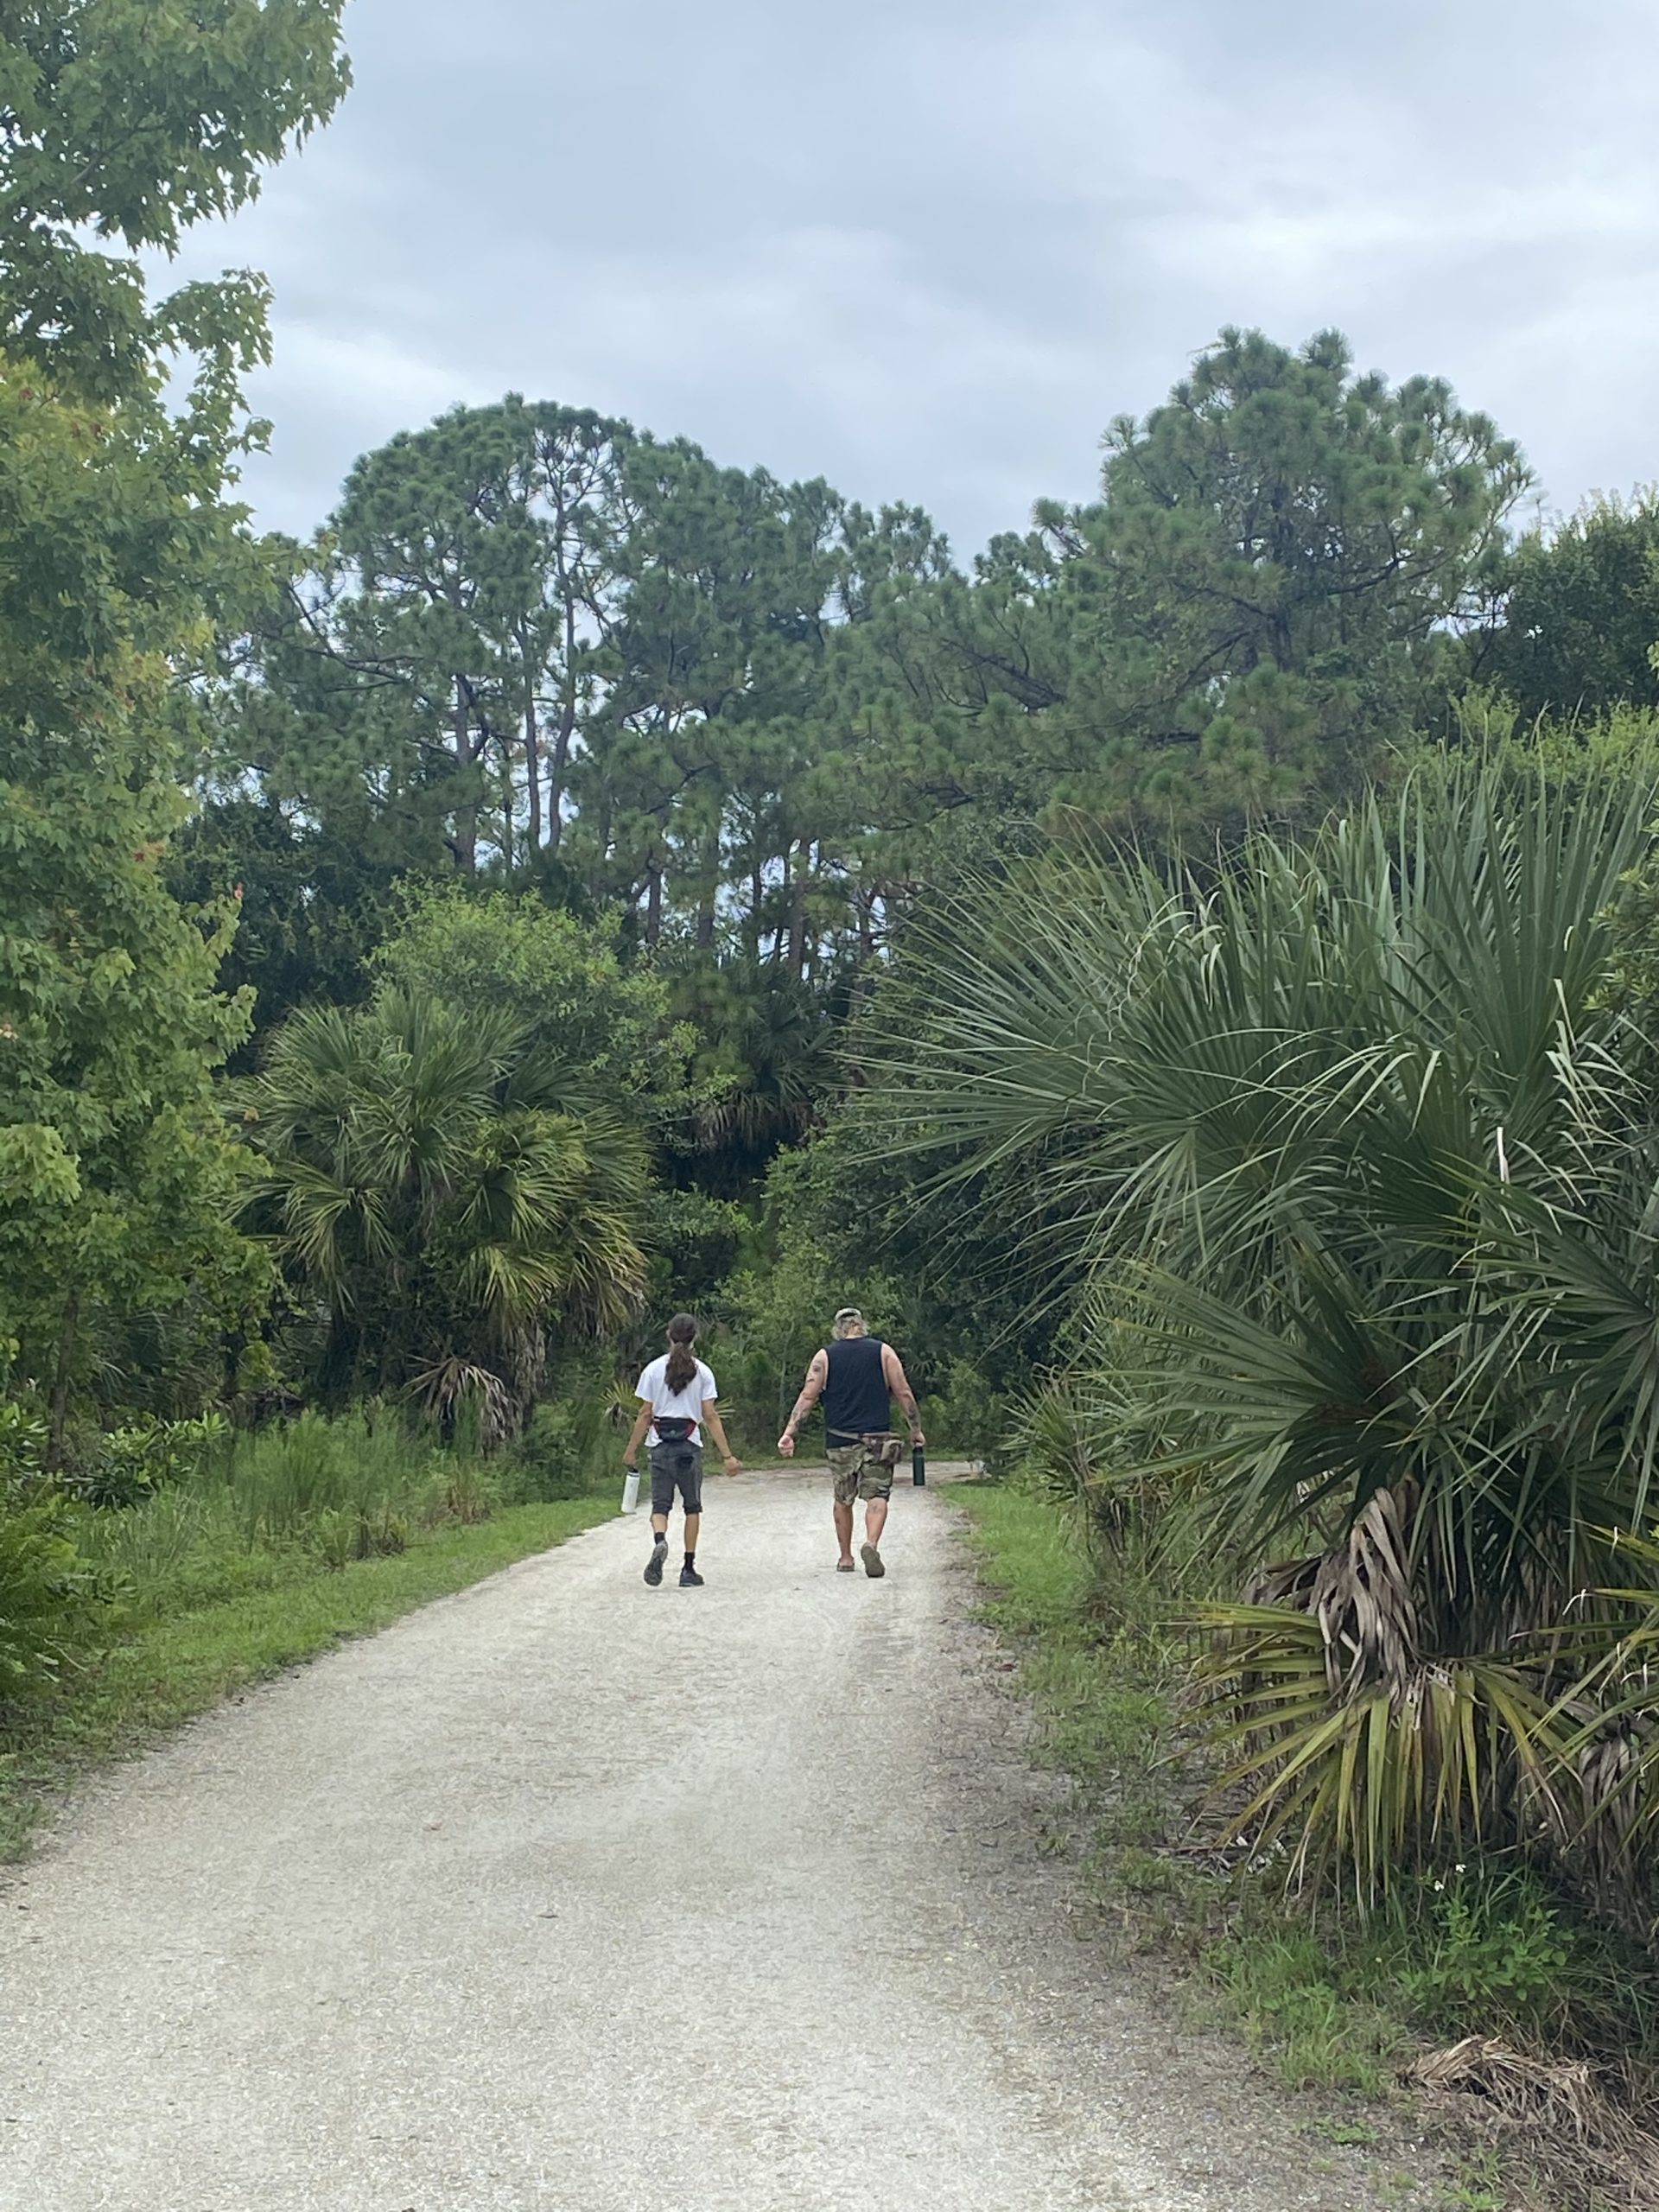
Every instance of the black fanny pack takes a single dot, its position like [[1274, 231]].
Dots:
[[674, 1431]]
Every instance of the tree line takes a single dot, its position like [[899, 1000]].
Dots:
[[660, 759], [537, 645]]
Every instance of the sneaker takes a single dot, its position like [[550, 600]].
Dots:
[[875, 1566], [689, 1579], [654, 1566]]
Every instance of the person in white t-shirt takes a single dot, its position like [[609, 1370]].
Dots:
[[677, 1395]]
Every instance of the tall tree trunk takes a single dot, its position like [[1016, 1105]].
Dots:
[[606, 885], [654, 906], [797, 913], [567, 730], [58, 1411], [556, 774], [780, 928], [466, 813], [709, 891], [533, 766], [864, 976]]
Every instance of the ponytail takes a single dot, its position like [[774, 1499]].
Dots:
[[682, 1366]]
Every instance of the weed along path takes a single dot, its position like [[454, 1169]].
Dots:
[[566, 1893]]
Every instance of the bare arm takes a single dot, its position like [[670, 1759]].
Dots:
[[631, 1455], [899, 1382], [711, 1417], [816, 1375]]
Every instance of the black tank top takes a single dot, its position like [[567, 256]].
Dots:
[[855, 1399]]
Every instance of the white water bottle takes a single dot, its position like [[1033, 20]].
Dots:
[[631, 1492]]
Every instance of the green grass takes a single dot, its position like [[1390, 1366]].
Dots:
[[251, 1618], [1098, 1669], [1039, 1579], [1316, 2029]]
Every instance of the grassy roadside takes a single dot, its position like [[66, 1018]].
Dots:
[[1331, 2005], [168, 1668]]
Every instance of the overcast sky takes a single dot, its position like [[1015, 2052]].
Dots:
[[929, 248]]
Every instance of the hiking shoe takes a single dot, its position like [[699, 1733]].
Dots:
[[689, 1579], [654, 1566], [875, 1566]]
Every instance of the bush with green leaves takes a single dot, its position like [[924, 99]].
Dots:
[[560, 1452], [693, 1241], [53, 1599], [1357, 1139], [567, 987], [113, 1468], [1493, 1945], [23, 1444], [963, 1414]]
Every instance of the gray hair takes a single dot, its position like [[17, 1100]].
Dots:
[[850, 1322]]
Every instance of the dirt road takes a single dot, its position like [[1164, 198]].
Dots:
[[569, 1894]]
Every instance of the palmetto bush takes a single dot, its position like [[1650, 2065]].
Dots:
[[429, 1187], [1358, 1143]]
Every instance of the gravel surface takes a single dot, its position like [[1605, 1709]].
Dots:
[[569, 1893]]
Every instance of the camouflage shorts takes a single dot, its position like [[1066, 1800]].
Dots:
[[865, 1469]]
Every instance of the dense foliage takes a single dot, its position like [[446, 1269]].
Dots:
[[121, 561], [1358, 1148], [586, 877]]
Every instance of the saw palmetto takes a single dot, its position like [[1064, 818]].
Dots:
[[1354, 1141]]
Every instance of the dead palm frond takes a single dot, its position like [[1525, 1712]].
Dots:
[[450, 1385], [1557, 2109]]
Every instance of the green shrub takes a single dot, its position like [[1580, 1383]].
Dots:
[[558, 1455], [1488, 1948], [693, 1241], [465, 1496], [345, 1534], [965, 1417], [23, 1444], [1493, 1945], [118, 1468], [53, 1599]]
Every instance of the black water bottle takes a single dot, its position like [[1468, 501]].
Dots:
[[918, 1465]]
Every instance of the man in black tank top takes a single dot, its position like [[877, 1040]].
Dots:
[[858, 1377]]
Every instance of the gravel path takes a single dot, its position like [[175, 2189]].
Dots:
[[569, 1894]]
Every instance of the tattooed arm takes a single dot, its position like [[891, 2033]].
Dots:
[[816, 1375]]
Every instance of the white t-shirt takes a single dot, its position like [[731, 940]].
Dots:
[[678, 1405]]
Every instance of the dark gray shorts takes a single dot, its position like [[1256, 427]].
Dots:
[[676, 1467]]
